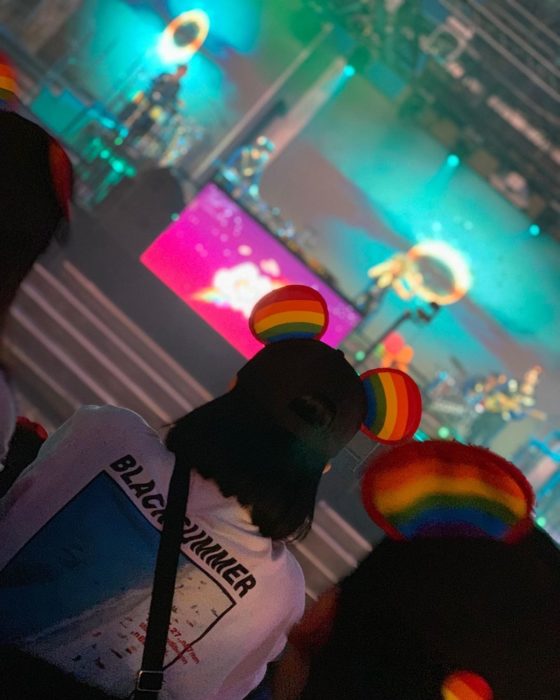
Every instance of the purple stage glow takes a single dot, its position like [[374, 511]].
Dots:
[[220, 262]]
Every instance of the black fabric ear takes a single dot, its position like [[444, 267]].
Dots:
[[31, 213]]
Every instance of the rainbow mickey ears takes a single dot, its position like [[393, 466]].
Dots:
[[8, 85], [62, 176], [394, 405], [446, 489], [294, 311], [298, 312], [465, 685]]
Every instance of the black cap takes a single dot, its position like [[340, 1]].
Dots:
[[283, 372]]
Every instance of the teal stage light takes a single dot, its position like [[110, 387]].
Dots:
[[453, 160], [349, 71], [534, 229]]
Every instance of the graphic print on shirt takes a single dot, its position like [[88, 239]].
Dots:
[[102, 549]]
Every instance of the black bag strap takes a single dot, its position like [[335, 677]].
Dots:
[[150, 677]]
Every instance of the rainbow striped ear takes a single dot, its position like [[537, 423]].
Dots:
[[446, 489], [62, 175], [394, 405], [8, 85], [465, 685], [294, 311]]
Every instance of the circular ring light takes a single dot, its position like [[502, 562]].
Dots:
[[453, 261], [184, 36]]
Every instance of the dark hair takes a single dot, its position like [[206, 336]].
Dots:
[[415, 612], [267, 468]]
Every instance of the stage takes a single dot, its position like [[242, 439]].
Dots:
[[354, 181]]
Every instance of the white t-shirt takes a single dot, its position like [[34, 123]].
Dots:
[[7, 415], [78, 541]]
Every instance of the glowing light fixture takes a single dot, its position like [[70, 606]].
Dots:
[[453, 160], [184, 36], [450, 258], [349, 70], [360, 356], [534, 229]]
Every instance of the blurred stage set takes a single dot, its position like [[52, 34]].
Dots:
[[402, 157]]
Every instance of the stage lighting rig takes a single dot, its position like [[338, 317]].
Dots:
[[386, 29], [492, 69]]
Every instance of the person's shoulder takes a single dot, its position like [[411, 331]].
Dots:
[[113, 417], [294, 570], [290, 576], [290, 591], [100, 425]]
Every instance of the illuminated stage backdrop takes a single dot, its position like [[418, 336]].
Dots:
[[220, 261]]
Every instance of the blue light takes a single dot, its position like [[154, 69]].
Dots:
[[453, 160], [349, 70], [534, 229]]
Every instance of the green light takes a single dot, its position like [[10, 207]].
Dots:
[[105, 153], [118, 166], [534, 229], [444, 432], [360, 356], [119, 140], [453, 160], [174, 217], [541, 521]]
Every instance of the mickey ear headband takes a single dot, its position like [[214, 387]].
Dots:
[[447, 489], [8, 85], [59, 164], [465, 685], [439, 489], [394, 403], [32, 427]]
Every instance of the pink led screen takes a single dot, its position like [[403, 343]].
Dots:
[[220, 262]]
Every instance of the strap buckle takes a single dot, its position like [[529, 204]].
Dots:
[[149, 681]]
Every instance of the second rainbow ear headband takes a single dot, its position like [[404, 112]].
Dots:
[[8, 85], [447, 489], [394, 403]]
